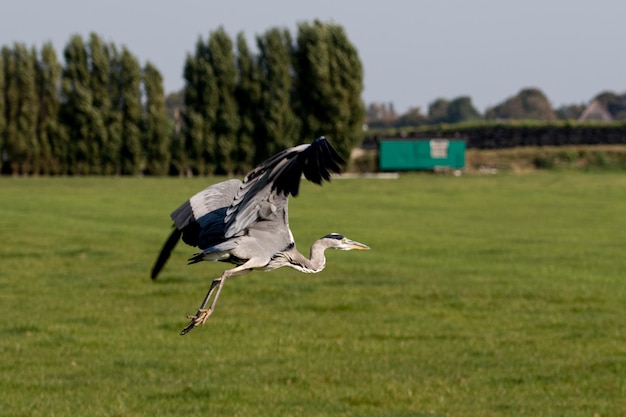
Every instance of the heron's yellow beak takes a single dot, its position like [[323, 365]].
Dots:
[[356, 245]]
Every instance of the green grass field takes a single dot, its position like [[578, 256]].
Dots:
[[482, 296]]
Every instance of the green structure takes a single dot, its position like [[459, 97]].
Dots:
[[421, 154]]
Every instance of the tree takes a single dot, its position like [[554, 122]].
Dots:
[[438, 111], [570, 112], [99, 75], [52, 141], [77, 105], [130, 106], [248, 96], [195, 139], [199, 113], [111, 152], [458, 110], [530, 103], [381, 115], [278, 127], [329, 77], [2, 109], [174, 103], [71, 119], [178, 152], [413, 117], [20, 143], [225, 124], [156, 134], [461, 109]]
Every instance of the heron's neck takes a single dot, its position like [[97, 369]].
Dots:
[[315, 263]]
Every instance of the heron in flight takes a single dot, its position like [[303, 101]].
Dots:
[[246, 223]]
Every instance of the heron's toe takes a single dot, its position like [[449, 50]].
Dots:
[[199, 319]]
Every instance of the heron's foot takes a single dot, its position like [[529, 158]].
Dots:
[[199, 319]]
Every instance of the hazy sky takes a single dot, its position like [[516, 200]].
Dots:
[[413, 51]]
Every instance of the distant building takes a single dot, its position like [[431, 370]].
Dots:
[[597, 112]]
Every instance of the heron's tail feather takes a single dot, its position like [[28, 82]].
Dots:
[[166, 251], [219, 252], [197, 257]]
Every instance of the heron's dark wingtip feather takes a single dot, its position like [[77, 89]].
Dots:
[[315, 162], [165, 253], [321, 160]]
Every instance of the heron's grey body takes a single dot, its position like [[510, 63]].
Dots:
[[246, 223]]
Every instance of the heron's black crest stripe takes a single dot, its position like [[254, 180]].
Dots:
[[334, 236]]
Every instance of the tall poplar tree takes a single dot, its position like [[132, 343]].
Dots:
[[112, 149], [2, 109], [77, 105], [329, 85], [130, 105], [179, 163], [52, 144], [156, 133], [279, 127], [248, 95], [225, 125], [99, 74], [199, 115], [192, 126], [20, 145]]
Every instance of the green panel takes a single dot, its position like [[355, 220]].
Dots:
[[421, 154]]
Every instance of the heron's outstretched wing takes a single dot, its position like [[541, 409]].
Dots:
[[268, 186], [199, 219], [203, 203]]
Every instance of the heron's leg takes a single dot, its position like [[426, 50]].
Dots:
[[204, 313], [214, 284]]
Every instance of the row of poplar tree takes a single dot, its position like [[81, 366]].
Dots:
[[102, 113], [86, 117]]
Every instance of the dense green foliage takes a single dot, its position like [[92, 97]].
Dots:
[[329, 81], [157, 138], [20, 104], [131, 113], [51, 140], [280, 127], [291, 91], [102, 113], [455, 111], [3, 52], [248, 96], [226, 124], [85, 117], [481, 296], [530, 103]]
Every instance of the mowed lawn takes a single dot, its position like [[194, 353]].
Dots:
[[499, 295]]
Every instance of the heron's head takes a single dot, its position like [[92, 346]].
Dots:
[[337, 241]]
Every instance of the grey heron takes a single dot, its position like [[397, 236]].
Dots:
[[246, 223]]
